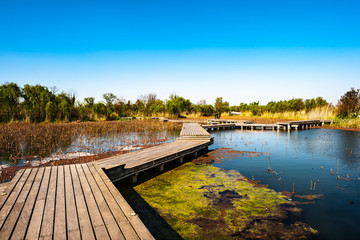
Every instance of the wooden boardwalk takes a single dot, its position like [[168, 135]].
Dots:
[[248, 125], [193, 131], [213, 127], [79, 201], [66, 202], [193, 138]]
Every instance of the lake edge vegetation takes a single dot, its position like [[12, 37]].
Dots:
[[37, 103]]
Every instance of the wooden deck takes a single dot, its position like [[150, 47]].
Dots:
[[130, 165], [244, 125], [193, 131], [213, 127], [66, 202], [80, 201]]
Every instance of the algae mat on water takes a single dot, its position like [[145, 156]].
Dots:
[[206, 202]]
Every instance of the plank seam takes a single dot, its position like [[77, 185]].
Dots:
[[33, 207], [12, 206], [12, 188], [76, 204], [86, 203], [97, 205], [97, 170]]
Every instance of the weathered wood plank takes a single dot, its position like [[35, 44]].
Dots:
[[117, 212], [13, 216], [34, 228], [47, 226], [60, 211], [86, 229], [138, 157], [10, 201], [9, 187], [110, 223], [95, 216], [73, 229], [135, 221], [24, 219]]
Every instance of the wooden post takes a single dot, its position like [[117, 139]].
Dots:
[[133, 178], [160, 168], [180, 160], [195, 154]]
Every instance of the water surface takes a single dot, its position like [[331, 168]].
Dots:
[[302, 158]]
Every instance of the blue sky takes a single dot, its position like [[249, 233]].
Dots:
[[243, 51]]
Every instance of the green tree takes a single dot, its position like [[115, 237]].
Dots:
[[35, 100], [50, 111], [221, 106], [349, 103], [176, 105], [10, 94]]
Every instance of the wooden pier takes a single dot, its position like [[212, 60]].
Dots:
[[79, 201], [218, 124], [66, 202], [213, 127]]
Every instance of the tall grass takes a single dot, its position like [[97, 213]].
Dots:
[[348, 123], [27, 140]]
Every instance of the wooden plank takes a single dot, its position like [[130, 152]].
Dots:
[[86, 229], [60, 211], [9, 187], [10, 201], [34, 228], [24, 219], [95, 216], [47, 226], [135, 221], [73, 228], [18, 205], [117, 212], [138, 157], [110, 223]]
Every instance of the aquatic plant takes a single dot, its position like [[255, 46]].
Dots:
[[206, 202]]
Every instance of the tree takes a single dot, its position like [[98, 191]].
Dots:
[[89, 101], [176, 105], [221, 106], [349, 103], [109, 98], [35, 100], [10, 94], [50, 111], [205, 110]]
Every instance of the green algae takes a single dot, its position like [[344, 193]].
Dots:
[[207, 202]]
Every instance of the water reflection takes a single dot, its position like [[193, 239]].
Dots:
[[299, 160]]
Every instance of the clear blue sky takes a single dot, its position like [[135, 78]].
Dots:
[[241, 50]]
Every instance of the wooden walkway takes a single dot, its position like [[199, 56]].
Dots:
[[245, 125], [66, 202], [79, 201], [193, 131], [193, 138]]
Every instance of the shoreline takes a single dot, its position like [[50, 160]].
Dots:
[[339, 128]]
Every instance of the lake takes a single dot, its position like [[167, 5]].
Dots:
[[302, 158], [319, 165]]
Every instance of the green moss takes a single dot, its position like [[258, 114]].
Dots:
[[203, 201]]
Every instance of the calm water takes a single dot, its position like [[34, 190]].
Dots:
[[299, 157], [81, 145]]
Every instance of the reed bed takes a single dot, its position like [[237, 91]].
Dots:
[[27, 140]]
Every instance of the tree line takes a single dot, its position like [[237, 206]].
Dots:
[[36, 103]]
